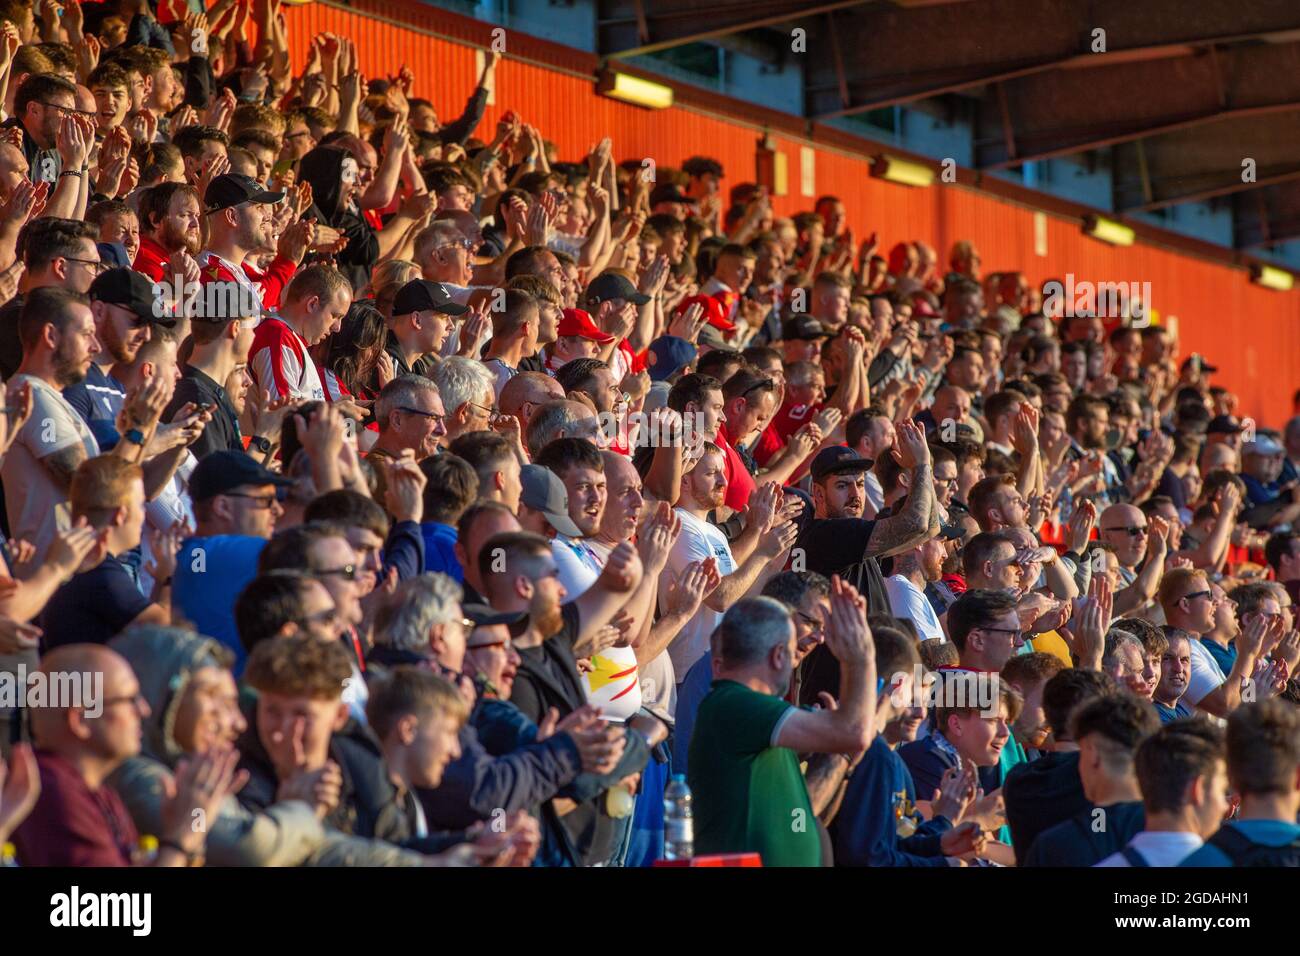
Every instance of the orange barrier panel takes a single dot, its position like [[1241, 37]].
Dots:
[[1251, 334]]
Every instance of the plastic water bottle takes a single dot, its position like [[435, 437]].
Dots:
[[8, 855], [679, 827]]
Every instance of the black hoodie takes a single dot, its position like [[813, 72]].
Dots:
[[323, 168]]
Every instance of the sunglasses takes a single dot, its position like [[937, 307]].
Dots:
[[349, 572], [1198, 594], [260, 502], [1132, 531]]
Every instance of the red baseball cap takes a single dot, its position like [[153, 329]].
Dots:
[[715, 311], [576, 322], [922, 307]]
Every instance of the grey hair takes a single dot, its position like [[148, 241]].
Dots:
[[1116, 638], [552, 420], [402, 390], [460, 380], [416, 606], [749, 630], [436, 234]]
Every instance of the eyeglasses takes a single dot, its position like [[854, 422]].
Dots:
[[415, 411], [813, 624], [349, 572], [323, 617], [66, 110], [1013, 631], [136, 700], [493, 412], [95, 265], [460, 244], [764, 385], [260, 502], [944, 481], [1132, 531]]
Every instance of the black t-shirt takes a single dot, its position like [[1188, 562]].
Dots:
[[94, 607], [11, 346], [838, 546], [1040, 794], [1089, 837], [222, 433]]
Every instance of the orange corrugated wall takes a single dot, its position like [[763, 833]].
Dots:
[[1251, 333]]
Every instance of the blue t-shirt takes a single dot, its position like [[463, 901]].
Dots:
[[1170, 714], [98, 399], [440, 550], [693, 689], [210, 574], [1263, 832], [1225, 657]]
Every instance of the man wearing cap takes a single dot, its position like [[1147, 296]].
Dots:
[[576, 336], [668, 360], [1224, 430], [235, 510], [122, 303], [1270, 504], [913, 570], [313, 307], [801, 339], [240, 217], [620, 310], [421, 320], [666, 199], [544, 503]]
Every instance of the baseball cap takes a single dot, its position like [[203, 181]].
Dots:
[[921, 308], [484, 616], [420, 295], [1224, 425], [219, 472], [668, 355], [803, 328], [544, 492], [611, 285], [951, 532], [577, 322], [1205, 366], [234, 189], [1262, 445], [715, 313], [667, 192], [131, 290], [113, 254], [837, 460], [710, 337]]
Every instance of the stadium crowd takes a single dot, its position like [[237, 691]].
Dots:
[[408, 493]]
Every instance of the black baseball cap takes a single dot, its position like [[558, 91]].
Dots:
[[838, 460], [219, 472], [1206, 367], [420, 295], [611, 285], [667, 192], [484, 616], [234, 189], [803, 328], [1224, 425], [131, 290]]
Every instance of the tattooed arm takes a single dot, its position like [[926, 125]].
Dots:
[[919, 517]]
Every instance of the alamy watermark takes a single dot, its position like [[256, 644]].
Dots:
[[82, 690], [1131, 300]]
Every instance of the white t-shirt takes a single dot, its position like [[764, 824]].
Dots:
[[614, 682], [908, 601], [579, 565], [38, 508], [699, 540], [1206, 677], [1158, 848], [875, 494]]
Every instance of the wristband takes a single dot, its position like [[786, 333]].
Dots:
[[72, 172]]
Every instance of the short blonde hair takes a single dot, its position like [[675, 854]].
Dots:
[[101, 485]]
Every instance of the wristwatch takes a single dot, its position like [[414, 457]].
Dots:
[[261, 444], [135, 436]]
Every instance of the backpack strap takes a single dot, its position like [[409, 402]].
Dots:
[[1232, 842], [1134, 857]]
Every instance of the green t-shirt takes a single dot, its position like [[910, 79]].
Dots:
[[748, 794]]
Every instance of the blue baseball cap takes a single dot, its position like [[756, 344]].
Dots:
[[668, 356]]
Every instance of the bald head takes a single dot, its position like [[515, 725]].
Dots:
[[92, 711], [524, 392], [951, 402], [561, 419]]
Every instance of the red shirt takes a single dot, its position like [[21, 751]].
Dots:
[[740, 483], [73, 825], [151, 259]]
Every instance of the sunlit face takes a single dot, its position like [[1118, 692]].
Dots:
[[494, 657], [434, 743], [1175, 671], [208, 716], [624, 501], [75, 347], [810, 392], [587, 496], [111, 106], [1031, 727], [841, 496], [116, 733], [333, 562], [706, 483], [1001, 639], [421, 426], [122, 227], [980, 738], [810, 619], [945, 481]]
